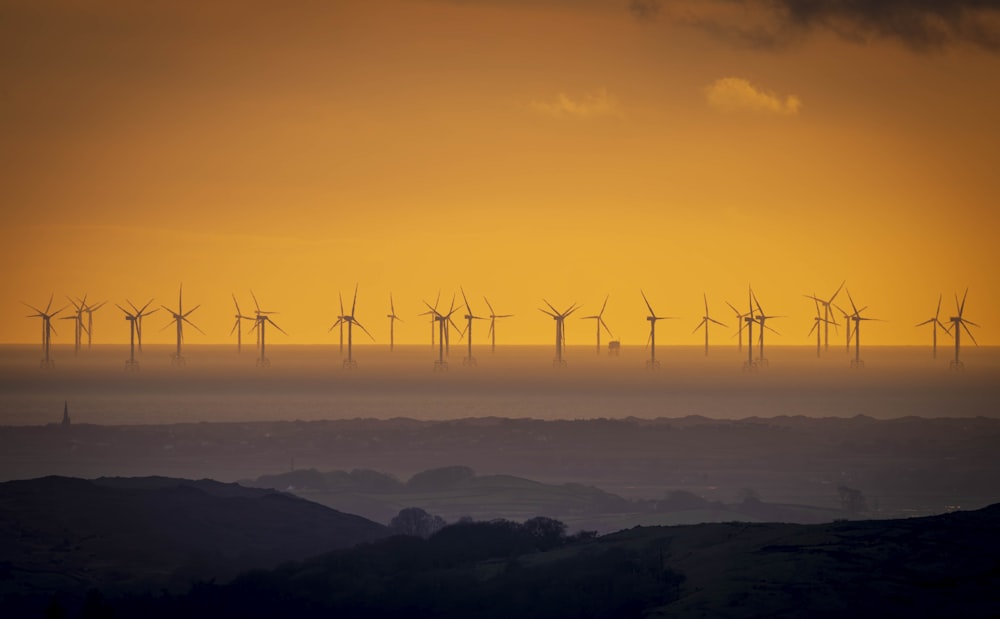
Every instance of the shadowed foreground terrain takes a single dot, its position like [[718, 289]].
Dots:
[[940, 566], [123, 534]]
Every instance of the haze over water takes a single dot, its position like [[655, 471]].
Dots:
[[308, 383]]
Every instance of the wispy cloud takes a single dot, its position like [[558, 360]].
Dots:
[[734, 94], [584, 107]]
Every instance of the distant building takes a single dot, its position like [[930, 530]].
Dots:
[[65, 421]]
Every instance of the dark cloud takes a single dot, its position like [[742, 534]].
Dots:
[[922, 25], [644, 10]]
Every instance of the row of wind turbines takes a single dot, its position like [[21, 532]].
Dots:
[[442, 324]]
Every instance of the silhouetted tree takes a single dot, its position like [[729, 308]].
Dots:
[[417, 522]]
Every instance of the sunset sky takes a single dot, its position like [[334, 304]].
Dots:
[[558, 149]]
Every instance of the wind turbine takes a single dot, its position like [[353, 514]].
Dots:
[[857, 318], [959, 323], [443, 321], [740, 319], [469, 360], [493, 319], [935, 323], [762, 320], [260, 323], [79, 307], [90, 309], [179, 318], [350, 320], [433, 314], [749, 318], [819, 319], [559, 317], [47, 329], [847, 325], [392, 323], [652, 363], [134, 319], [704, 322], [238, 325], [826, 303], [599, 319]]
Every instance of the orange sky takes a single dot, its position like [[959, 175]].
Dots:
[[556, 149]]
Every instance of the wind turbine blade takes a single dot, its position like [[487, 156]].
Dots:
[[851, 299], [550, 306], [545, 311], [504, 316], [738, 313], [570, 311], [237, 303], [275, 325], [172, 323], [814, 327], [236, 326], [705, 297], [335, 325], [837, 291], [354, 302], [341, 298], [938, 311], [601, 313], [465, 299], [255, 303], [606, 327], [721, 324], [969, 332], [771, 329], [190, 311], [488, 305], [365, 330], [926, 322], [648, 306], [194, 325], [700, 325], [49, 306]]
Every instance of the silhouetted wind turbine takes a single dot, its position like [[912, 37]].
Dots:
[[260, 323], [740, 319], [559, 317], [392, 323], [469, 317], [857, 318], [819, 319], [762, 321], [704, 322], [238, 326], [847, 325], [90, 309], [749, 318], [959, 323], [652, 363], [599, 319], [134, 319], [493, 319], [826, 303], [433, 314], [935, 323], [443, 321], [350, 320], [79, 307], [179, 318], [47, 329]]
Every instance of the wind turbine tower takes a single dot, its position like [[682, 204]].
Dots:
[[47, 330], [260, 325], [762, 319], [740, 319], [90, 309], [179, 318], [79, 307], [134, 319], [652, 363], [857, 318], [443, 321], [827, 303], [935, 322], [392, 323], [704, 322], [493, 319], [749, 318], [559, 317], [469, 360], [958, 323], [350, 320], [819, 319], [599, 320], [238, 326]]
